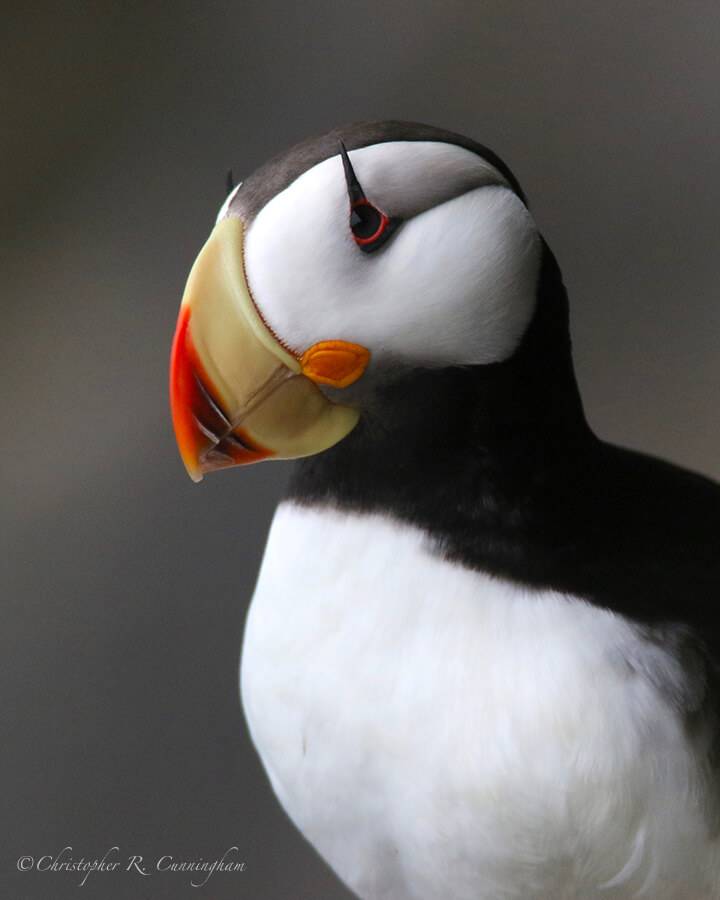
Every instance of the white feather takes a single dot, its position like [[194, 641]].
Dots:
[[439, 734]]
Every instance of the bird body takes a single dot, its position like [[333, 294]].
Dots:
[[436, 731], [481, 658]]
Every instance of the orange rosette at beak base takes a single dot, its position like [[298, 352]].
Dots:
[[337, 363], [236, 395]]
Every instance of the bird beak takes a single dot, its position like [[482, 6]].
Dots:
[[236, 394]]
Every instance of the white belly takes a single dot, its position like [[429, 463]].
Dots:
[[438, 734]]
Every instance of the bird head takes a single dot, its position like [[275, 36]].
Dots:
[[375, 249]]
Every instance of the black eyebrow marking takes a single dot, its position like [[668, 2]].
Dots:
[[355, 192]]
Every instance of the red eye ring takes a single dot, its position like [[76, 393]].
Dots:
[[371, 228], [367, 223]]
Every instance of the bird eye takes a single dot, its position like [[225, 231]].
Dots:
[[365, 222], [371, 228]]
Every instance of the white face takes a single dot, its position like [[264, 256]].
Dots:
[[455, 285]]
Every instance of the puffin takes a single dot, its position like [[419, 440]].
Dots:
[[481, 658]]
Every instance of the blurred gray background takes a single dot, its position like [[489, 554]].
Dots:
[[125, 586]]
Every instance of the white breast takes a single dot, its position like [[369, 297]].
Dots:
[[439, 734]]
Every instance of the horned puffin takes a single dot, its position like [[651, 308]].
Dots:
[[481, 660]]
